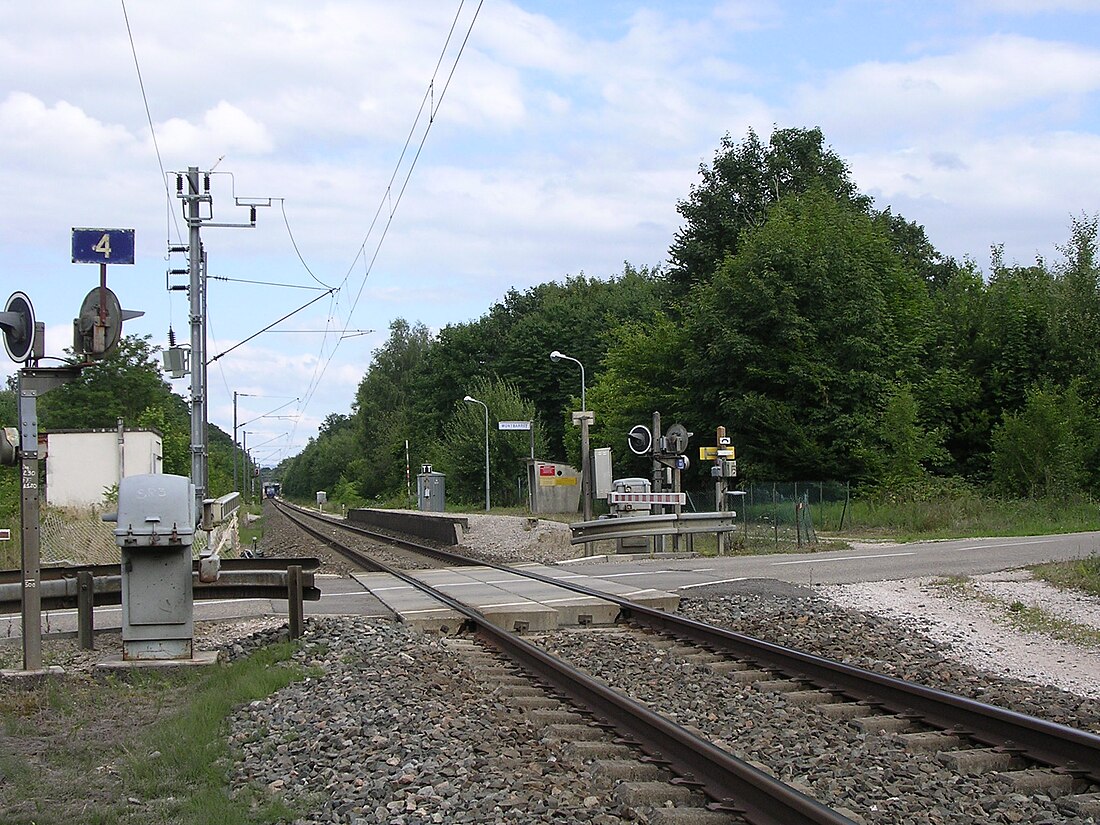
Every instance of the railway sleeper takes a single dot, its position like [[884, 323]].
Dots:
[[1043, 780], [1082, 805], [882, 723], [810, 697], [658, 794], [980, 760]]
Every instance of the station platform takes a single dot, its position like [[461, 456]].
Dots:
[[508, 600]]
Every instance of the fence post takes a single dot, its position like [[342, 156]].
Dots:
[[775, 516], [294, 599], [85, 614]]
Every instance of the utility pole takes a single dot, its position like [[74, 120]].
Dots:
[[197, 294], [193, 189]]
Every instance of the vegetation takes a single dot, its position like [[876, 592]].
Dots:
[[149, 748], [127, 384], [1082, 574], [1028, 618], [824, 332], [829, 337]]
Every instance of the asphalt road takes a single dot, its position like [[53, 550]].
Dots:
[[878, 562], [868, 563]]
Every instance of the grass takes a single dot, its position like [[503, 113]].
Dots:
[[247, 532], [1081, 574], [961, 516], [150, 748], [1024, 617]]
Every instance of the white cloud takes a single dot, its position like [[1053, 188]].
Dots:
[[222, 130], [992, 76], [999, 184], [1033, 7], [38, 132]]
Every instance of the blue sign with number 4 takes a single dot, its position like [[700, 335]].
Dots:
[[103, 246]]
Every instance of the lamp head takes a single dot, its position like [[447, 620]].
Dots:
[[469, 398], [555, 356]]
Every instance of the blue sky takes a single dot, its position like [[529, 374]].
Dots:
[[567, 134]]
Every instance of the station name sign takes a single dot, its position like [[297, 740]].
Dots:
[[514, 425]]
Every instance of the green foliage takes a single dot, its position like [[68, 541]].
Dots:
[[950, 508], [797, 338], [123, 385], [740, 186], [1040, 450], [173, 423], [831, 339], [461, 453], [908, 450], [642, 372], [325, 462], [1082, 574]]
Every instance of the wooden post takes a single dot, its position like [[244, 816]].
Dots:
[[85, 616], [294, 599]]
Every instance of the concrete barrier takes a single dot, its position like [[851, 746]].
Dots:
[[432, 526]]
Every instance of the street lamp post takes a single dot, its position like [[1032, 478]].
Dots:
[[556, 356], [235, 447], [586, 462], [469, 399]]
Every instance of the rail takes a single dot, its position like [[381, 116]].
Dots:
[[733, 786], [1049, 743]]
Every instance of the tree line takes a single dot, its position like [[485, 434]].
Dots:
[[829, 337]]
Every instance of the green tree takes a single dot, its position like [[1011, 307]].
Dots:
[[384, 411], [796, 339], [743, 182], [908, 451], [642, 373], [1039, 451], [461, 453], [174, 426]]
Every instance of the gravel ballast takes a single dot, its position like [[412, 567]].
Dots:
[[397, 728]]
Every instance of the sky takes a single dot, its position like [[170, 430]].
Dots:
[[423, 158]]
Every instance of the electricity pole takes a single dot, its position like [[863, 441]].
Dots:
[[194, 196]]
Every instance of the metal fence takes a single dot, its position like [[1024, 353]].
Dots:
[[785, 513], [80, 536]]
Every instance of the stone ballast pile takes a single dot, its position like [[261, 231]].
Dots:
[[399, 730]]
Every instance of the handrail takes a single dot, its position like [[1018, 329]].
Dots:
[[658, 525]]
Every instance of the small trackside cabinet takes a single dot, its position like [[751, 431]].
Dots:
[[154, 532], [431, 490], [155, 511]]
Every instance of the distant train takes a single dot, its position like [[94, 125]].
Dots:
[[272, 489]]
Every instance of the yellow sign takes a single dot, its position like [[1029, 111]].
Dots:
[[557, 481], [708, 453]]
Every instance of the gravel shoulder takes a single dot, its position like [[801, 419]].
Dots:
[[976, 620]]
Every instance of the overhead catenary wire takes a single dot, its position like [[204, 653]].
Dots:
[[149, 118], [433, 105], [269, 326], [227, 279]]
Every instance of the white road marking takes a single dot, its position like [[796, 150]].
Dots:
[[717, 581], [840, 558]]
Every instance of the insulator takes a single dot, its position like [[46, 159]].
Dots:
[[179, 184], [206, 182], [171, 337]]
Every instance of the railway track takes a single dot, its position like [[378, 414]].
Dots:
[[970, 736]]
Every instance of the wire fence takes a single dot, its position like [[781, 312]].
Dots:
[[80, 536], [785, 513]]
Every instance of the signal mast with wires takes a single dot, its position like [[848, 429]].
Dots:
[[198, 210]]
